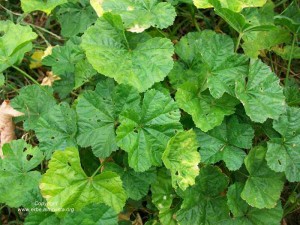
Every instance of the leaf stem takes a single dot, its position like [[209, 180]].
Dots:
[[238, 42], [99, 168], [290, 59]]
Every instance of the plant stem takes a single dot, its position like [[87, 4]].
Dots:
[[290, 59], [25, 75]]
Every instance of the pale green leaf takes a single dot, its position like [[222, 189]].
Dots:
[[145, 130], [134, 59], [34, 101], [45, 6], [140, 15], [204, 202], [18, 181], [182, 158], [99, 214], [15, 41], [260, 93], [65, 185], [206, 111], [57, 129], [98, 115], [234, 5], [226, 142], [284, 153], [243, 214], [263, 186]]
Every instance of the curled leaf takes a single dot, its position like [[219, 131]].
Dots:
[[7, 127]]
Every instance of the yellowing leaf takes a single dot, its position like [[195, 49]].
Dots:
[[48, 51], [96, 4], [36, 59], [7, 127]]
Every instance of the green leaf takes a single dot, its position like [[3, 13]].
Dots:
[[65, 185], [57, 129], [140, 15], [208, 55], [254, 42], [75, 18], [284, 153], [162, 197], [182, 158], [145, 130], [137, 184], [234, 5], [247, 215], [18, 182], [34, 101], [292, 92], [92, 214], [15, 41], [226, 142], [263, 186], [83, 72], [45, 6], [65, 60], [204, 202], [41, 218], [206, 111], [290, 18], [134, 59], [260, 93], [286, 52], [98, 115]]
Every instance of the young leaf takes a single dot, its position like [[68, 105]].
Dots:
[[206, 111], [2, 79], [263, 186], [182, 158], [140, 15], [65, 184], [34, 102], [226, 142], [75, 18], [98, 115], [203, 203], [245, 214], [12, 46], [17, 181], [284, 153], [260, 93], [145, 130], [57, 129], [45, 6], [92, 214], [134, 59]]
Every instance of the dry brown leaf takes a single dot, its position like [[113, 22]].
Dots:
[[7, 127], [49, 79]]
